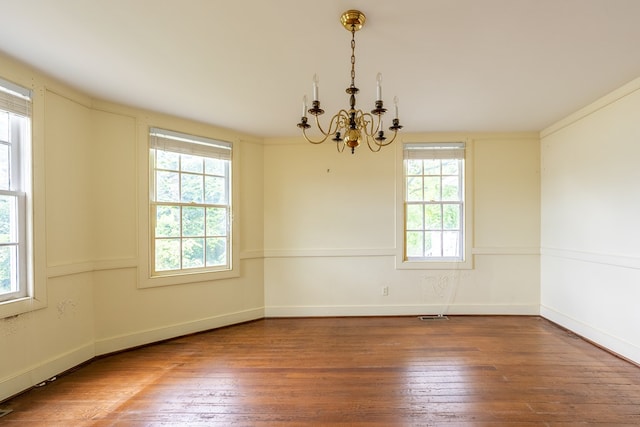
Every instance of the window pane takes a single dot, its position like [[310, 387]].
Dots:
[[450, 188], [414, 167], [432, 167], [415, 244], [4, 126], [216, 251], [433, 246], [451, 215], [192, 221], [5, 168], [8, 270], [215, 190], [216, 222], [167, 160], [167, 221], [214, 166], [450, 167], [191, 163], [193, 230], [8, 223], [14, 138], [167, 189], [192, 253], [415, 217], [434, 231], [431, 188], [167, 254], [192, 188], [414, 188], [433, 217], [451, 243]]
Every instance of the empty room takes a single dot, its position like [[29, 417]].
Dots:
[[263, 213]]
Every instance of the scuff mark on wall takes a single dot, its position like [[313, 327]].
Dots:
[[10, 325], [67, 306], [438, 288]]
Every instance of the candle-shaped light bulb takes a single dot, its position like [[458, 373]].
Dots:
[[395, 104], [315, 87], [379, 87], [304, 106]]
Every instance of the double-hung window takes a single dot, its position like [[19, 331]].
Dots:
[[15, 188], [190, 200], [434, 202]]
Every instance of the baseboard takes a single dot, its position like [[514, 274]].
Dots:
[[122, 342], [36, 374], [31, 376], [400, 310], [609, 342]]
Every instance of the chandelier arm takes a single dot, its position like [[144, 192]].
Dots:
[[335, 121], [378, 145], [384, 144], [368, 121], [395, 133], [334, 125], [341, 115], [304, 133]]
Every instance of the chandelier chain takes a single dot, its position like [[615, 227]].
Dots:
[[353, 56]]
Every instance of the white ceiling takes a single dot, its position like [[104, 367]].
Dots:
[[456, 65]]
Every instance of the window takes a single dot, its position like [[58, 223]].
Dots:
[[434, 202], [190, 196], [15, 188]]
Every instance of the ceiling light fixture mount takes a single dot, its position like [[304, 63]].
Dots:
[[350, 126]]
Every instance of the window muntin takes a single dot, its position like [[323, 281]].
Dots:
[[15, 146], [434, 202], [190, 203]]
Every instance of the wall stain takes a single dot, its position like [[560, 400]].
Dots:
[[67, 306], [11, 325]]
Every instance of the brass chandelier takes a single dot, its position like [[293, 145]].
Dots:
[[349, 127]]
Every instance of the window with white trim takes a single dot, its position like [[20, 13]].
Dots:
[[434, 202], [190, 200], [15, 189]]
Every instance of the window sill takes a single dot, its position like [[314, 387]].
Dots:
[[433, 265], [19, 306], [186, 278]]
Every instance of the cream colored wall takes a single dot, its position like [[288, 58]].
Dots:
[[69, 189], [330, 221], [590, 275], [90, 163], [316, 198], [114, 195], [38, 344], [125, 314]]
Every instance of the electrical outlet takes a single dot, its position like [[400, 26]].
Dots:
[[385, 291]]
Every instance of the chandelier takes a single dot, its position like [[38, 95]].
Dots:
[[349, 127]]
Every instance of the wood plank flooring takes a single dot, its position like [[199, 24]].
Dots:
[[368, 371]]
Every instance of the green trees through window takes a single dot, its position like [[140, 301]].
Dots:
[[434, 197], [190, 202]]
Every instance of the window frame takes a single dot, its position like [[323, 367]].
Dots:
[[435, 263], [27, 180], [16, 104], [148, 276]]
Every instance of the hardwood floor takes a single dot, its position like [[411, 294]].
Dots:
[[376, 371]]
